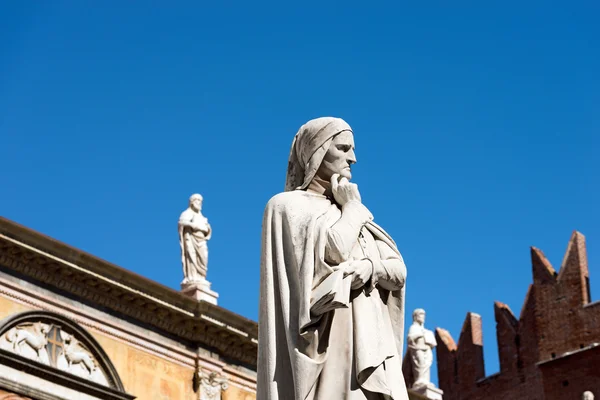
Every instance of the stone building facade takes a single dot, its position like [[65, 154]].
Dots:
[[551, 352], [73, 326]]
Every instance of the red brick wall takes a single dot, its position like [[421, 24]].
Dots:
[[556, 320], [568, 377]]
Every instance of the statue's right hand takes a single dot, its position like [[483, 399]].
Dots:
[[343, 190]]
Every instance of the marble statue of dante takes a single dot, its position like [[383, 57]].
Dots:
[[316, 231], [194, 232], [420, 342]]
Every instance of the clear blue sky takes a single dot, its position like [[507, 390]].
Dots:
[[477, 133]]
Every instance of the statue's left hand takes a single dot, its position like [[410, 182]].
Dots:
[[362, 270]]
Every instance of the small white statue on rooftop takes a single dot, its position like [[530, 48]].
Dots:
[[420, 343], [194, 232]]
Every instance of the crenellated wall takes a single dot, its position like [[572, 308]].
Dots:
[[558, 327]]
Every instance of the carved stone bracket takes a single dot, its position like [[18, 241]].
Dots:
[[209, 384]]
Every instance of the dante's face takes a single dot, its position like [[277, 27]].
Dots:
[[339, 157], [420, 318]]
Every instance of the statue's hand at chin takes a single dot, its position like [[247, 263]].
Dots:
[[343, 190]]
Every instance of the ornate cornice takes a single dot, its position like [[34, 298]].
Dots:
[[62, 268]]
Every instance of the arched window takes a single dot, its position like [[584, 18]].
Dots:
[[49, 346]]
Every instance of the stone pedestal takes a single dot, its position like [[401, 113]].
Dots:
[[200, 291], [426, 392]]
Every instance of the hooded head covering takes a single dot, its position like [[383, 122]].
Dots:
[[308, 150]]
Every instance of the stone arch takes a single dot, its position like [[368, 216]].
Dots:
[[52, 339]]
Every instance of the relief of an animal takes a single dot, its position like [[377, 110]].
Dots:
[[34, 334], [76, 354]]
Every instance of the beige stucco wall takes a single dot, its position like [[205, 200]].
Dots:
[[9, 307], [151, 377], [146, 376], [235, 393]]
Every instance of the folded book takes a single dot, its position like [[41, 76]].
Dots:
[[332, 293]]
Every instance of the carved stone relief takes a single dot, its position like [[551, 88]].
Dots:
[[78, 360], [210, 384], [49, 344], [29, 340]]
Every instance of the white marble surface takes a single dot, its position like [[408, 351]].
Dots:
[[429, 392], [317, 226], [212, 385], [420, 342], [194, 233], [200, 290], [30, 340]]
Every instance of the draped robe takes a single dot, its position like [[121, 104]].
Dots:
[[194, 249], [420, 355], [345, 354]]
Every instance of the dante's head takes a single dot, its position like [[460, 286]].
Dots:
[[587, 395], [321, 148], [419, 316], [196, 202]]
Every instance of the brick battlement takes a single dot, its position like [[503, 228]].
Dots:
[[541, 352]]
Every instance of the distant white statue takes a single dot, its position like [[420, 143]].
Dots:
[[420, 343], [194, 232], [587, 395]]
